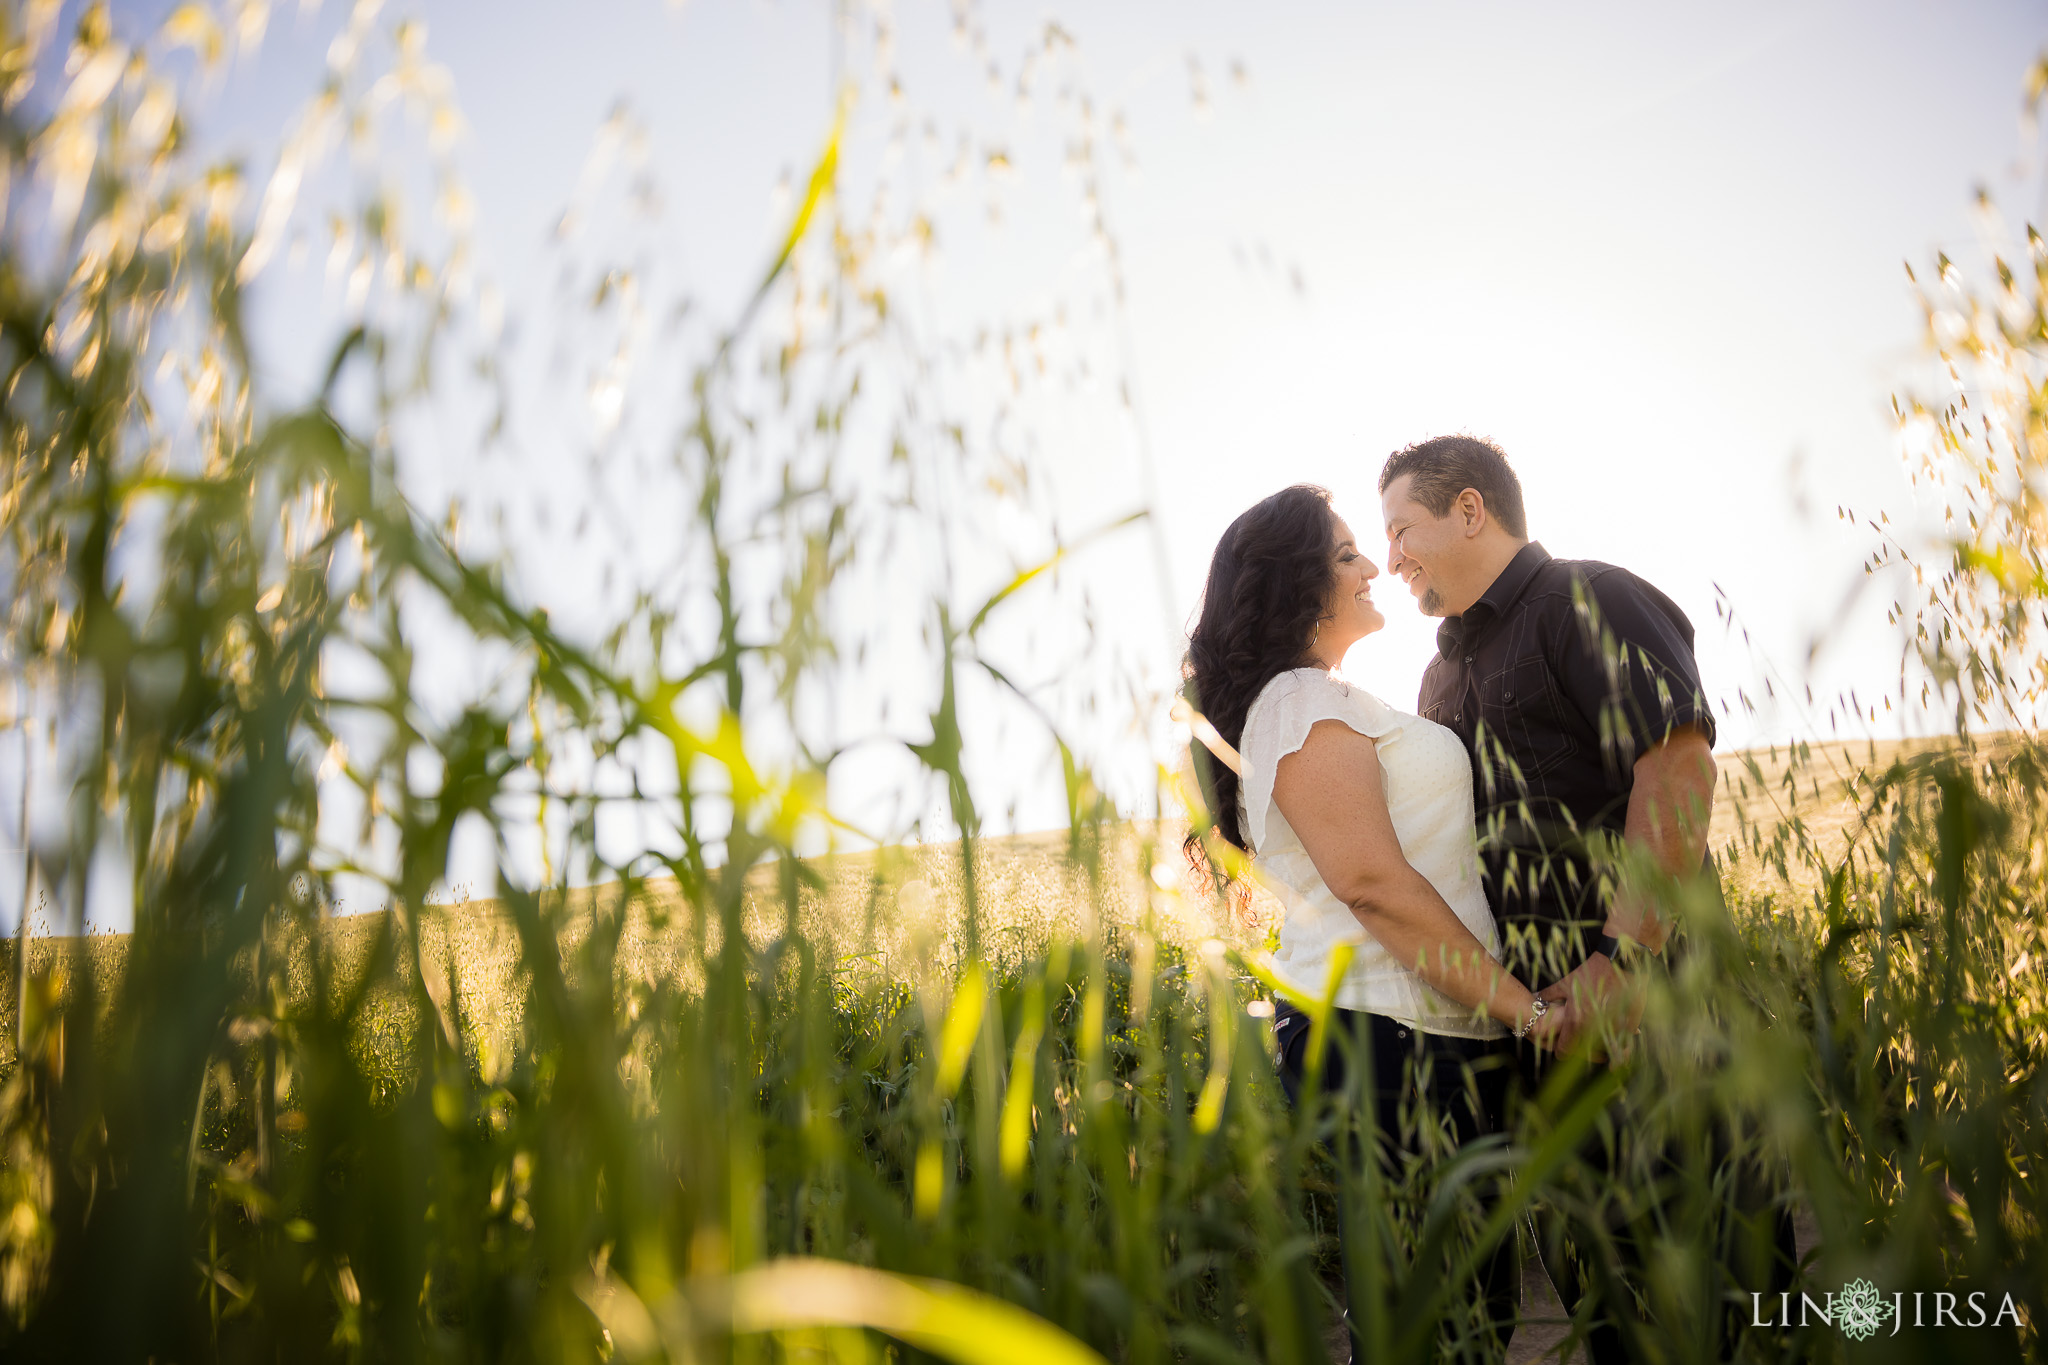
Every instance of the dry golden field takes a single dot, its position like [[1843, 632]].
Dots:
[[899, 912]]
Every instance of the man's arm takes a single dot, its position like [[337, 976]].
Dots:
[[1668, 810]]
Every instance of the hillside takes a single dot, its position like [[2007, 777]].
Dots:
[[897, 911]]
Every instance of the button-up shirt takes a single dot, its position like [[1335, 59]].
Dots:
[[1558, 679]]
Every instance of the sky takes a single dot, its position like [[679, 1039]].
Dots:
[[1656, 252]]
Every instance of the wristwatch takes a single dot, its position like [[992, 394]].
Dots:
[[1537, 1009], [1608, 944]]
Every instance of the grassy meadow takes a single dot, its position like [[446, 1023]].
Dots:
[[980, 1100], [897, 913]]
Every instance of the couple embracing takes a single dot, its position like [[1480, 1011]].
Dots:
[[1452, 850]]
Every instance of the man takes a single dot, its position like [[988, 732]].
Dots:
[[1574, 687]]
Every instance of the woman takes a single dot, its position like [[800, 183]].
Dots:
[[1360, 819]]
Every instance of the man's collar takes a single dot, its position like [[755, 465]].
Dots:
[[1508, 586], [1498, 597]]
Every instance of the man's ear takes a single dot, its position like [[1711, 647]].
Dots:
[[1472, 511]]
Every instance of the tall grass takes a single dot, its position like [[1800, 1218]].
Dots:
[[261, 1137]]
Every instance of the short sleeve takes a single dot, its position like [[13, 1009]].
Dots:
[[1278, 724], [1625, 660]]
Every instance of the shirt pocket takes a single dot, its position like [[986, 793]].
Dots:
[[1523, 712]]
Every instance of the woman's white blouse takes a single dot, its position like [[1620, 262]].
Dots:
[[1428, 780]]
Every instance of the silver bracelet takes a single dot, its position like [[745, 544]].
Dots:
[[1537, 1009]]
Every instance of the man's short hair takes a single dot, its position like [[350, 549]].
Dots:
[[1446, 466]]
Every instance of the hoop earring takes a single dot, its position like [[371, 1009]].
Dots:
[[1318, 633]]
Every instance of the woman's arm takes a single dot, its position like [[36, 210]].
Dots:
[[1332, 795]]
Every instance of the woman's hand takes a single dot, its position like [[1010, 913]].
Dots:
[[1554, 1030], [1558, 1029]]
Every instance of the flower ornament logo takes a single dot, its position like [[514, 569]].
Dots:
[[1860, 1310]]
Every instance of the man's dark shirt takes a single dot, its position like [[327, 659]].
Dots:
[[1558, 679]]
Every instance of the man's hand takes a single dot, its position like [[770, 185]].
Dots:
[[1586, 985], [1594, 995]]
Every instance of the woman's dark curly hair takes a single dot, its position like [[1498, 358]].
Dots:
[[1268, 580]]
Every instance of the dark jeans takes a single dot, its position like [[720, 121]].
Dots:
[[1466, 1079], [1757, 1252]]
